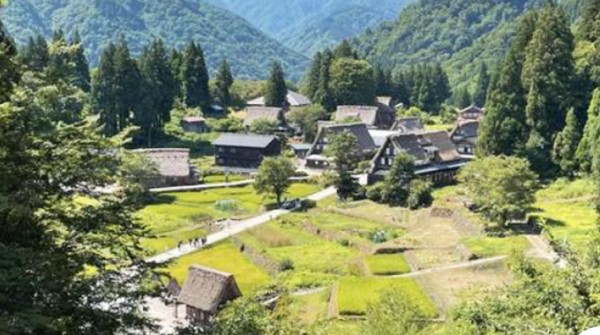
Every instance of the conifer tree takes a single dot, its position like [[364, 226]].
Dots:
[[128, 85], [382, 80], [224, 81], [481, 86], [400, 89], [591, 133], [441, 86], [103, 98], [313, 77], [81, 66], [323, 95], [35, 55], [344, 50], [9, 71], [548, 73], [276, 89], [194, 78], [463, 98], [588, 25], [565, 146]]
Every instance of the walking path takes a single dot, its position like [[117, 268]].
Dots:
[[213, 185], [233, 229], [458, 266]]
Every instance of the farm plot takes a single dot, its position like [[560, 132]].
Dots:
[[387, 265]]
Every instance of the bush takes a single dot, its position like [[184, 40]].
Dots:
[[375, 192], [378, 237], [419, 194], [227, 205], [286, 265], [345, 242], [308, 204]]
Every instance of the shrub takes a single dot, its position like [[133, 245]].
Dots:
[[378, 237], [286, 265], [226, 205], [375, 192], [419, 194], [345, 242], [308, 204]]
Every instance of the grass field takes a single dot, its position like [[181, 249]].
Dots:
[[495, 246], [387, 265], [356, 293], [311, 308], [178, 217], [224, 257]]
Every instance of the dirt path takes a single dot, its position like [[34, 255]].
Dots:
[[234, 229], [458, 266], [332, 308]]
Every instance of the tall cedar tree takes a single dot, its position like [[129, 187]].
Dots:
[[324, 95], [382, 80], [128, 83], [103, 97], [352, 82], [81, 66], [35, 55], [276, 89], [10, 73], [548, 74], [462, 98], [311, 84], [588, 26], [481, 86], [400, 89], [50, 240], [344, 50], [565, 146], [224, 81], [504, 130], [441, 86], [175, 63], [194, 78], [591, 134], [61, 68]]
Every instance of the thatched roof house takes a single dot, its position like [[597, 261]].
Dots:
[[274, 114], [407, 125], [205, 290], [173, 166], [293, 99], [471, 113], [380, 117], [315, 157], [464, 135]]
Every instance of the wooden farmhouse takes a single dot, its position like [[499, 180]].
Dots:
[[316, 159], [436, 157], [375, 117], [464, 135], [293, 100], [173, 165], [245, 151], [273, 114], [194, 124], [407, 125], [204, 292], [471, 113]]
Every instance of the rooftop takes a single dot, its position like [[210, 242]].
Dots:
[[244, 140], [169, 162], [294, 99], [206, 289]]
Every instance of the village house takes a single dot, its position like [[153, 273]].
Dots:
[[316, 159], [380, 136], [407, 125], [375, 117], [293, 100], [173, 166], [205, 291], [436, 157], [464, 136], [245, 151], [273, 114], [301, 149], [471, 113], [194, 124]]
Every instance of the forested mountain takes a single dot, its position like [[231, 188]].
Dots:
[[458, 33], [220, 33], [308, 26]]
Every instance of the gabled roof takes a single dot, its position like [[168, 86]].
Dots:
[[381, 116], [408, 125], [269, 113], [385, 101], [206, 289], [467, 128], [464, 113], [420, 145], [359, 130], [245, 140], [169, 162], [380, 136], [294, 100], [193, 119]]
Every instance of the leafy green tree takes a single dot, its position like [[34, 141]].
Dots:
[[62, 258], [481, 86], [35, 56], [10, 73], [344, 50], [194, 78], [81, 67], [419, 194], [264, 126], [324, 95], [502, 187], [441, 86], [383, 81], [462, 98], [276, 89], [588, 25], [565, 146], [273, 177], [397, 181], [352, 82], [591, 133], [306, 119], [394, 313], [344, 151], [548, 74], [224, 81]]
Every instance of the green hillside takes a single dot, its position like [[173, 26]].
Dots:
[[308, 26], [458, 33], [221, 33]]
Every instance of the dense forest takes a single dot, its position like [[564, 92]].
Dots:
[[221, 33], [308, 26]]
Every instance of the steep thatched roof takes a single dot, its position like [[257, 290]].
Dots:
[[380, 116], [169, 162], [408, 125], [468, 129], [427, 147], [206, 289], [274, 114]]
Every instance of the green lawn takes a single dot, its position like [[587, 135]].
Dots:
[[222, 178], [495, 246], [178, 217], [567, 207], [387, 265], [310, 308], [316, 261], [356, 293], [224, 257]]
